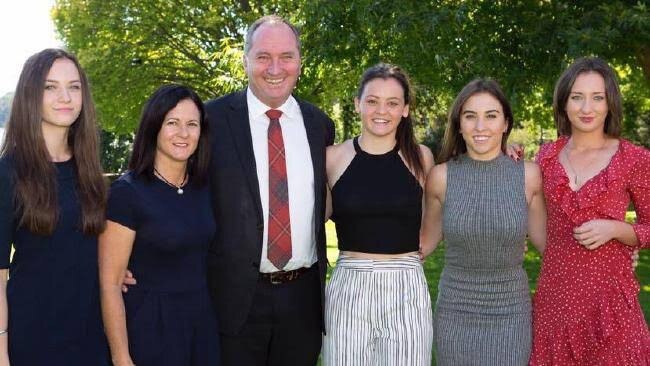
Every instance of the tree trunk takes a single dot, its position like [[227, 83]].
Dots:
[[644, 60]]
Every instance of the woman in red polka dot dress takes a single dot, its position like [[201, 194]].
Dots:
[[586, 310]]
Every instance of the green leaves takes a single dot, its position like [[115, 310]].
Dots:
[[130, 48]]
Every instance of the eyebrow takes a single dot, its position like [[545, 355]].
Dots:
[[56, 81], [579, 92], [265, 52], [471, 111], [376, 96]]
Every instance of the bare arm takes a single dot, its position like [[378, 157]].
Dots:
[[427, 162], [330, 152], [115, 245], [337, 159], [536, 206], [328, 204], [434, 193], [4, 317]]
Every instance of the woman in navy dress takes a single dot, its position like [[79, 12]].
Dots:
[[160, 224], [52, 200]]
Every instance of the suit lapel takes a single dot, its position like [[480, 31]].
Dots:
[[243, 142]]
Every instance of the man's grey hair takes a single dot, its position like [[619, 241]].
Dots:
[[270, 19]]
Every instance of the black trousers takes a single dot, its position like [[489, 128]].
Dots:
[[282, 328]]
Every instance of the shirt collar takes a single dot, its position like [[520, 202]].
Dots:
[[256, 108]]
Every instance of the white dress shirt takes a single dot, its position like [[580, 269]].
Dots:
[[300, 178]]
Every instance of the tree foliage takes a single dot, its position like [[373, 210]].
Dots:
[[130, 48], [525, 45]]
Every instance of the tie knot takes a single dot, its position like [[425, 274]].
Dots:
[[274, 114]]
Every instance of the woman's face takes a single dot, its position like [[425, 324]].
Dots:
[[62, 94], [381, 107], [482, 124], [586, 106], [179, 134]]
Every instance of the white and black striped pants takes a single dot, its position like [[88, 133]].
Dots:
[[378, 312]]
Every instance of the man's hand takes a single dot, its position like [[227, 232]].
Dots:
[[128, 280]]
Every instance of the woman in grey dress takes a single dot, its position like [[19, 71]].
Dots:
[[483, 203]]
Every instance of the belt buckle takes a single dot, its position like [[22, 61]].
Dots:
[[275, 278]]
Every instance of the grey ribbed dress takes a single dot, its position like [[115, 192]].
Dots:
[[483, 310]]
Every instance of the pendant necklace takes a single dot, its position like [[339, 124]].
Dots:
[[568, 161], [575, 173], [179, 188]]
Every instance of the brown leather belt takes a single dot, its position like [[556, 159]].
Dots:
[[279, 277]]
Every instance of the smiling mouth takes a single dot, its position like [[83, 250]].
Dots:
[[180, 144], [274, 81], [480, 138], [380, 120]]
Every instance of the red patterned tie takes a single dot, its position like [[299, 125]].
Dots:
[[279, 239]]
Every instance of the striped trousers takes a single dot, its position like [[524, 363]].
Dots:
[[378, 312]]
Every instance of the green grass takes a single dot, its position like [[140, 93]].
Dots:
[[532, 262]]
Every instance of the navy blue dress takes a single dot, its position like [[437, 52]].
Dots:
[[53, 292], [169, 314]]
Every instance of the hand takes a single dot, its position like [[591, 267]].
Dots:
[[515, 151], [525, 249], [128, 280], [592, 234]]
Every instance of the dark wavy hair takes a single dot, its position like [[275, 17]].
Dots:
[[35, 194], [145, 143], [563, 87], [404, 135], [453, 143]]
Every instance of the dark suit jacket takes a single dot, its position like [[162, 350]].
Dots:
[[234, 257]]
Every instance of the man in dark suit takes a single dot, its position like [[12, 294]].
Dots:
[[266, 267]]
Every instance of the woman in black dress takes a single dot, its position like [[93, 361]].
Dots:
[[377, 304], [52, 200], [160, 224]]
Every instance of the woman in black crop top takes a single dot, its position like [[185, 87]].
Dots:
[[377, 303]]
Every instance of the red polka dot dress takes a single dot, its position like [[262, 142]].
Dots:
[[586, 310]]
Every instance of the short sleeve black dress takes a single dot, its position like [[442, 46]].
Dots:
[[53, 292], [169, 315]]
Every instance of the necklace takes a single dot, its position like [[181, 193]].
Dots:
[[179, 188], [568, 161]]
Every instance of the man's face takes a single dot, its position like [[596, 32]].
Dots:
[[273, 63]]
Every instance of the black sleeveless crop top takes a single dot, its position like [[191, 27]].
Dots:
[[377, 205]]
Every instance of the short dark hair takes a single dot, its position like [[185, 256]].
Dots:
[[565, 83], [453, 143], [146, 138], [270, 19]]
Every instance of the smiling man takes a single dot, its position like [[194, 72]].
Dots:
[[267, 264]]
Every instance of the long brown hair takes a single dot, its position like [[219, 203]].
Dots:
[[563, 87], [453, 144], [405, 137], [35, 191]]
